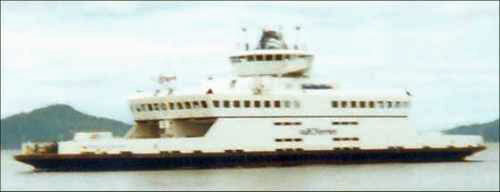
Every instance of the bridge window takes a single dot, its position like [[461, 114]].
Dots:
[[196, 104], [344, 104], [371, 104], [246, 103], [163, 106], [216, 103], [353, 104], [188, 105], [259, 57], [267, 104], [256, 104], [380, 104], [204, 104], [172, 106], [287, 104], [397, 104], [277, 104], [335, 104], [236, 104], [269, 57], [362, 104], [296, 104], [179, 105], [250, 58], [226, 104], [279, 57]]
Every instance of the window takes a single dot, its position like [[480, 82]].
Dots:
[[204, 104], [267, 104], [150, 107], [171, 105], [250, 58], [188, 105], [353, 104], [216, 104], [143, 107], [156, 107], [279, 57], [278, 140], [335, 104], [344, 104], [389, 104], [287, 56], [269, 57], [259, 57], [297, 139], [354, 122], [362, 104], [163, 106], [226, 104], [344, 123], [277, 123], [380, 104], [256, 104], [246, 103], [296, 104], [371, 104], [397, 104], [138, 109], [335, 123], [179, 105], [196, 104], [277, 104], [236, 104], [287, 104], [288, 139]]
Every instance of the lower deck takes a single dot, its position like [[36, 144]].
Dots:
[[129, 161]]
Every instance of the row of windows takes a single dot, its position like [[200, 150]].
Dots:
[[267, 57], [344, 123], [345, 139], [263, 104], [370, 104], [288, 140], [287, 123], [217, 104]]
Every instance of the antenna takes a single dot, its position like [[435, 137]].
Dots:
[[244, 29], [297, 28]]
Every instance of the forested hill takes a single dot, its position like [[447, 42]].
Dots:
[[489, 130], [53, 123]]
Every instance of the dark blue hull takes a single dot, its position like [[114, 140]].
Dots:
[[82, 162]]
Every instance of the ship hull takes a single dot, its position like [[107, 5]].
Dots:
[[55, 162]]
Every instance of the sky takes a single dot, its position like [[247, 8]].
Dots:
[[94, 55]]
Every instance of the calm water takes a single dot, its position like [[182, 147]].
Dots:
[[475, 175]]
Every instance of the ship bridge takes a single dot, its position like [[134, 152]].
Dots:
[[272, 57]]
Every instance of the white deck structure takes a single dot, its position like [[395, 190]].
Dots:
[[271, 104]]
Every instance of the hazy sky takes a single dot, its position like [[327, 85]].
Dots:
[[93, 55]]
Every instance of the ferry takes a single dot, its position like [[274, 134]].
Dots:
[[268, 112]]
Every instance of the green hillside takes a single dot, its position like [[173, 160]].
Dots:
[[53, 123], [489, 130]]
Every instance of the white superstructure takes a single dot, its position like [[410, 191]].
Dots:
[[270, 104]]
